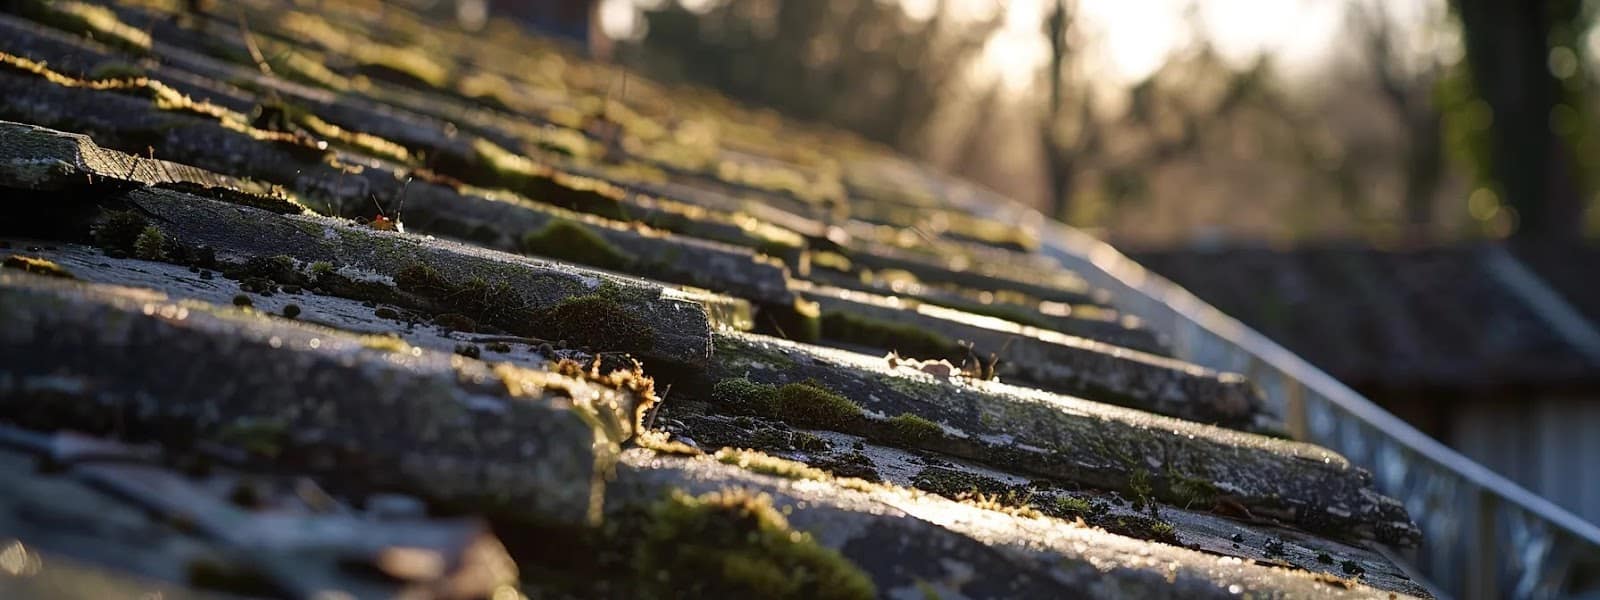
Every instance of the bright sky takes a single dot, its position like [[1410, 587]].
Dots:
[[1133, 37]]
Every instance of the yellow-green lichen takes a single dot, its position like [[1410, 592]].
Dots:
[[832, 261], [406, 65], [659, 442], [1010, 505], [765, 464], [735, 544], [499, 167], [385, 343], [366, 143], [37, 266], [97, 22]]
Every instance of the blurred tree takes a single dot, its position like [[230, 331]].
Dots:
[[1167, 117], [858, 64], [1525, 65], [1406, 82], [1071, 130]]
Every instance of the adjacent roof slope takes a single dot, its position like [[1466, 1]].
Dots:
[[1442, 318], [657, 345]]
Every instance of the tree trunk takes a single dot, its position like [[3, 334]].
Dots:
[[1507, 46], [1059, 170], [1424, 169]]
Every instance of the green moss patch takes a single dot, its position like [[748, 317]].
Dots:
[[810, 404], [952, 483], [365, 143], [567, 240], [913, 430], [1193, 492], [118, 230], [1139, 527], [908, 340], [807, 404], [1071, 506], [96, 22], [37, 266], [148, 246], [735, 544], [745, 395], [475, 298], [598, 321]]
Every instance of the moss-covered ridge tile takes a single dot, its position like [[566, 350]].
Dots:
[[913, 543], [1056, 436], [517, 294], [458, 431], [38, 159], [1041, 358]]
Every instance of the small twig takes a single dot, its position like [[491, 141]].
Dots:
[[775, 325], [376, 204], [256, 55], [402, 207], [250, 45]]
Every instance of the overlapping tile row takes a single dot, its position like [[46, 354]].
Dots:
[[490, 290]]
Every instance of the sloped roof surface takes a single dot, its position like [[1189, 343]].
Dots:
[[1442, 317], [343, 299]]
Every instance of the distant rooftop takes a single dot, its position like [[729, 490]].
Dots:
[[1472, 316]]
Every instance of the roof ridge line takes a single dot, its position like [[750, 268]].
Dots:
[[1548, 304]]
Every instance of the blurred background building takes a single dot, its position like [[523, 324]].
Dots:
[[1491, 348], [1402, 191]]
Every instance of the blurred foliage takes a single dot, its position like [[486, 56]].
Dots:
[[1527, 65], [859, 64], [1406, 132]]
